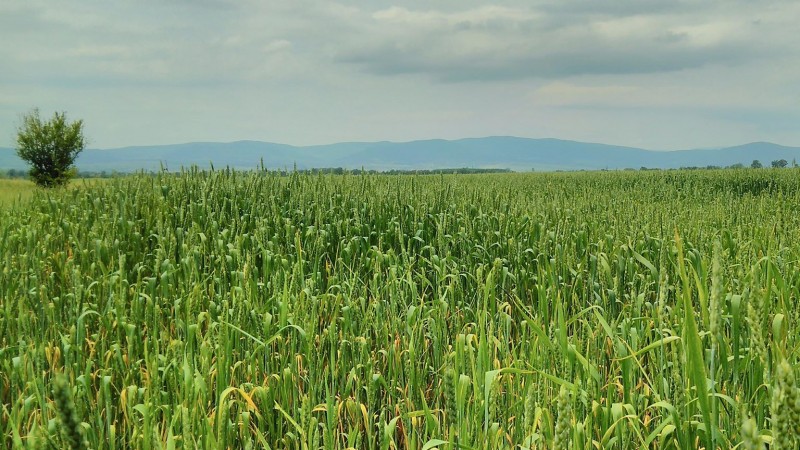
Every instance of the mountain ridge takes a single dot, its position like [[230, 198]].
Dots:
[[507, 152]]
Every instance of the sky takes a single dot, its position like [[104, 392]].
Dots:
[[657, 74]]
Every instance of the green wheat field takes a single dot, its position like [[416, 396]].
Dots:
[[244, 310]]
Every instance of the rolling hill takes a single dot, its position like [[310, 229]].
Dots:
[[514, 153]]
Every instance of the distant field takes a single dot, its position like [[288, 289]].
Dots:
[[618, 310], [15, 189], [12, 190]]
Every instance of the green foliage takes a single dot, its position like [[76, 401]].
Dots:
[[252, 310], [779, 163], [50, 147]]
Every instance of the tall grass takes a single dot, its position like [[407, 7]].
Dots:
[[250, 310]]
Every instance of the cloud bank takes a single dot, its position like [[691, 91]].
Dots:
[[635, 72]]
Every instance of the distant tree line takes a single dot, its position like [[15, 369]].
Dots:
[[20, 173], [462, 170], [14, 173], [756, 164], [342, 171]]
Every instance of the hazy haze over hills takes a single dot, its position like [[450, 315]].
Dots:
[[514, 153]]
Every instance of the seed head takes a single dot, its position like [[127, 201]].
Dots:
[[450, 396], [784, 395], [70, 424], [750, 437], [564, 420]]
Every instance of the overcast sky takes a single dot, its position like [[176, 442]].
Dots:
[[656, 74]]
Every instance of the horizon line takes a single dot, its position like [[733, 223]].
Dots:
[[256, 141]]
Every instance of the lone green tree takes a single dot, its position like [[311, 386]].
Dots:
[[50, 147]]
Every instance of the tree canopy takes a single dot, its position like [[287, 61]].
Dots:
[[50, 147], [780, 163]]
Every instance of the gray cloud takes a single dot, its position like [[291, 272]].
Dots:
[[496, 43], [621, 8], [451, 63], [241, 41]]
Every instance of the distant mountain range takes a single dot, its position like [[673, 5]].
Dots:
[[519, 154]]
